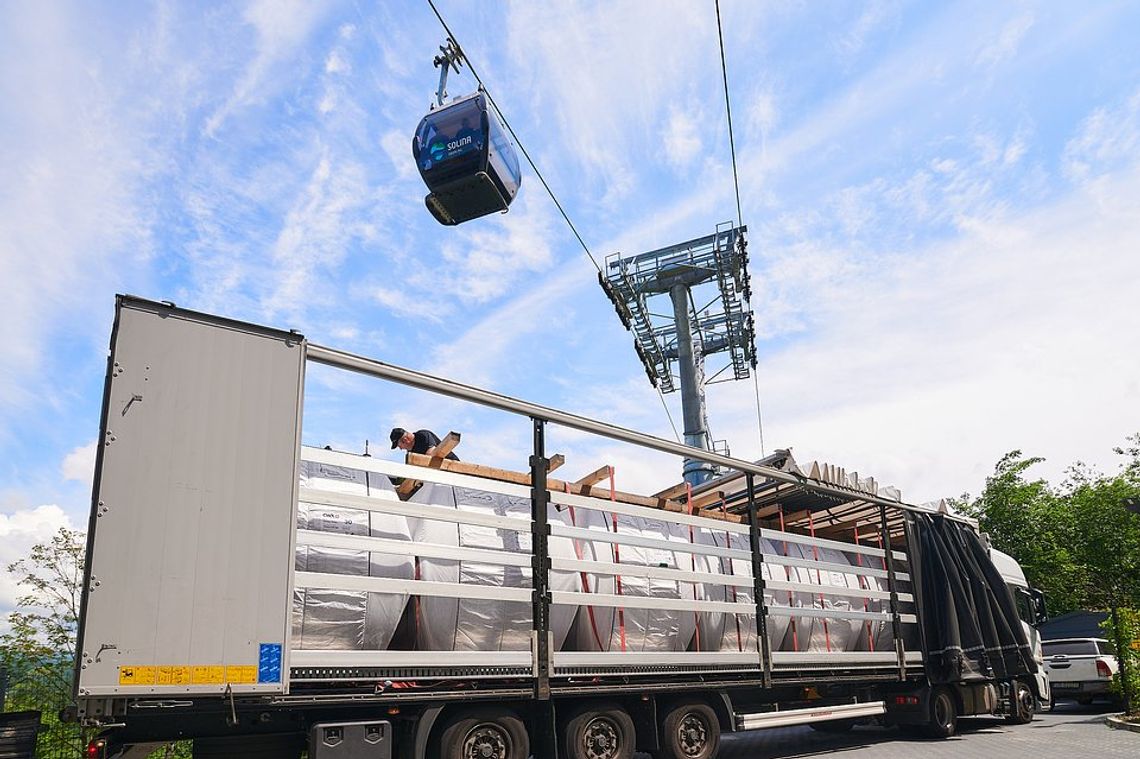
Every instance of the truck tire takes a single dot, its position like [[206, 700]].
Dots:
[[943, 714], [599, 732], [1021, 703], [690, 731], [282, 746], [490, 733]]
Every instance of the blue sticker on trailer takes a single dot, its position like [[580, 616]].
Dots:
[[269, 663]]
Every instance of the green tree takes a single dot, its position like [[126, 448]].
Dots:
[[1105, 540], [1075, 542], [1025, 519], [38, 650]]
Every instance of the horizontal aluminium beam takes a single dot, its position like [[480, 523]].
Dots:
[[412, 378]]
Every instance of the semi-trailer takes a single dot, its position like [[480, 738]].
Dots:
[[263, 597]]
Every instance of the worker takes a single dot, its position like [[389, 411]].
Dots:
[[420, 441]]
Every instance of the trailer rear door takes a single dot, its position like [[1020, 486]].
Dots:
[[190, 539]]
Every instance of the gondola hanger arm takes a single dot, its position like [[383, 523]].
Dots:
[[450, 57]]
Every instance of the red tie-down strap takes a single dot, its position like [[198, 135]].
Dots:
[[617, 560], [585, 577], [819, 579], [788, 575], [732, 588], [863, 584]]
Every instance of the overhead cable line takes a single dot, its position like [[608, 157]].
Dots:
[[728, 109], [668, 413], [739, 212], [503, 118]]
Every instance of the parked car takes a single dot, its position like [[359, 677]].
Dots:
[[1080, 668]]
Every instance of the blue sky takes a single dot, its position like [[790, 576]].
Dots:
[[941, 201]]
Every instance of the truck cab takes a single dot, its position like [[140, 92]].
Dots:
[[1031, 610]]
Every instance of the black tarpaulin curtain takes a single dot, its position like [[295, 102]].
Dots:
[[970, 626]]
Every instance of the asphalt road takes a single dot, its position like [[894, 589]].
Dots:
[[1071, 732]]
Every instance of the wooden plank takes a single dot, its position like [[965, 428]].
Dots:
[[705, 499], [519, 478], [594, 477], [407, 487], [670, 493], [556, 461], [446, 446]]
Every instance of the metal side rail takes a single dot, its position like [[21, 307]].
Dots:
[[811, 714]]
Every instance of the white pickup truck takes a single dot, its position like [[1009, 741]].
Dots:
[[1080, 668]]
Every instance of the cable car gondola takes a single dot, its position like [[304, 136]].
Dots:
[[463, 155]]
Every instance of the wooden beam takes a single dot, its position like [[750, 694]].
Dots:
[[704, 499], [446, 446], [675, 491], [519, 478], [407, 487], [595, 476], [556, 461]]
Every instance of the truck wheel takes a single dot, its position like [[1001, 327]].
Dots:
[[690, 731], [286, 746], [599, 732], [485, 733], [943, 714], [1021, 704]]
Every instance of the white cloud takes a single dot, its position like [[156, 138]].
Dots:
[[332, 209], [924, 369], [1108, 136], [405, 304], [75, 150], [1004, 45], [336, 63], [762, 114], [79, 464], [19, 531], [631, 64], [682, 138], [484, 260], [280, 27], [397, 146], [874, 16]]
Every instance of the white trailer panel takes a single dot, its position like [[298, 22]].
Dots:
[[191, 536]]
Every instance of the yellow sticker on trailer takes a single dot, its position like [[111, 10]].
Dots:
[[243, 674], [174, 676], [136, 675], [212, 675]]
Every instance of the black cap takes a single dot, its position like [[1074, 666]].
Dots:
[[397, 433]]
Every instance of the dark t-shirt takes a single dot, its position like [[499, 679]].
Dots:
[[426, 439]]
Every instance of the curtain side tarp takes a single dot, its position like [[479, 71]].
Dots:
[[969, 621]]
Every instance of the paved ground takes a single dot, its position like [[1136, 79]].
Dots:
[[1071, 731]]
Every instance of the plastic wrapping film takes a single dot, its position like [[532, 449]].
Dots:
[[875, 634], [719, 631], [605, 628], [817, 634], [341, 619], [461, 624]]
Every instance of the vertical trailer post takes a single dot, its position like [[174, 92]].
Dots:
[[758, 583], [541, 637], [892, 586]]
